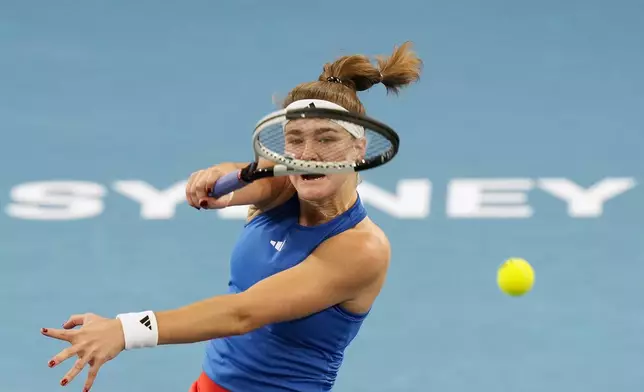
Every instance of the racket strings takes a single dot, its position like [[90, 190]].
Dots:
[[323, 144]]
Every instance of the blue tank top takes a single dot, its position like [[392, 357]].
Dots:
[[301, 355]]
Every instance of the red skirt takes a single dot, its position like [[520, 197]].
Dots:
[[205, 384]]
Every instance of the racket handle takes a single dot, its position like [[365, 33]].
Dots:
[[227, 183]]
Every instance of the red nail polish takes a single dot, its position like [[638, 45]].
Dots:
[[64, 382], [85, 389], [52, 363], [44, 330], [203, 203]]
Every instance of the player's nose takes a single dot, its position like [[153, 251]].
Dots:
[[309, 152]]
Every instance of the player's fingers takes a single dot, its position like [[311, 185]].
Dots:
[[196, 185], [59, 334], [92, 373], [204, 183], [191, 196], [211, 179], [74, 320], [189, 184], [64, 355], [73, 372]]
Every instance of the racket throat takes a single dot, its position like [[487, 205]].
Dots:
[[252, 173]]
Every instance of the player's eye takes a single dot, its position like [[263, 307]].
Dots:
[[326, 139]]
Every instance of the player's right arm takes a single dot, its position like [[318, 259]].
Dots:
[[262, 194]]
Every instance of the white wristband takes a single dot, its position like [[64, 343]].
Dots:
[[140, 329]]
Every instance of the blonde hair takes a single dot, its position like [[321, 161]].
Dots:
[[341, 80]]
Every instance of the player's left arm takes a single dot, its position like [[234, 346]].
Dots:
[[336, 272]]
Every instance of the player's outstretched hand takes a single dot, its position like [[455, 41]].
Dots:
[[97, 341]]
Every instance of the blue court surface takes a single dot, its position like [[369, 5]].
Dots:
[[524, 138]]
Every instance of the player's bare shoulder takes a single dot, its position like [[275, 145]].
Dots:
[[367, 247], [376, 243], [369, 228]]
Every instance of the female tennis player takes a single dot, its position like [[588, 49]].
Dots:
[[305, 272]]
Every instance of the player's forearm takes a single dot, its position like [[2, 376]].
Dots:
[[204, 320]]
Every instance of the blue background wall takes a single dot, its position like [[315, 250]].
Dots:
[[102, 92]]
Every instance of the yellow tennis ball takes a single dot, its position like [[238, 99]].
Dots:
[[515, 277]]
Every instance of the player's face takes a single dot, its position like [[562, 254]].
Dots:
[[322, 141]]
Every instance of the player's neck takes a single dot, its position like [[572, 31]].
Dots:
[[314, 213]]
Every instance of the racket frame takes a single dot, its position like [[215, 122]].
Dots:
[[285, 166]]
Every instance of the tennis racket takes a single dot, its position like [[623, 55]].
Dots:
[[313, 141]]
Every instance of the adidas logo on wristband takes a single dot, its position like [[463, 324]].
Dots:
[[135, 336], [146, 321]]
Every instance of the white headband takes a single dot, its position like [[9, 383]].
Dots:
[[356, 130]]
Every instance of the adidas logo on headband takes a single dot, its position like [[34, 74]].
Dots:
[[355, 130]]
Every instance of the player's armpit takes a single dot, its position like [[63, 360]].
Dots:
[[336, 272]]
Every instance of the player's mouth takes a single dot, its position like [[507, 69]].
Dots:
[[312, 177]]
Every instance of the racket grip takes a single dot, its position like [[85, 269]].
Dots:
[[227, 183]]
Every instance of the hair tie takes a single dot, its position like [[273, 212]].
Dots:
[[334, 79]]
